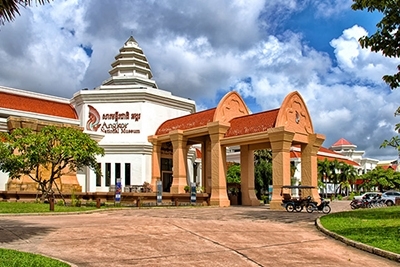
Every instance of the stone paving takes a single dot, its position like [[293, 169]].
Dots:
[[206, 236]]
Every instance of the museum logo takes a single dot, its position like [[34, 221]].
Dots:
[[113, 123]]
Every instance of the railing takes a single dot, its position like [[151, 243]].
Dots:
[[128, 198]]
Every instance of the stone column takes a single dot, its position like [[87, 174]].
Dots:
[[219, 196], [309, 164], [155, 162], [281, 141], [178, 161], [206, 165], [247, 177]]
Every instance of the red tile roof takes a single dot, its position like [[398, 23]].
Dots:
[[253, 123], [36, 105], [342, 142], [190, 121], [198, 153], [347, 161], [389, 167], [297, 154], [326, 150]]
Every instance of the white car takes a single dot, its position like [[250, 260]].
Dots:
[[390, 197], [367, 195]]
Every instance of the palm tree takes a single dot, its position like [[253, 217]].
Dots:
[[334, 167], [324, 173], [347, 176], [10, 8]]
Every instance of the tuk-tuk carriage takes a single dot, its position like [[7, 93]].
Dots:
[[296, 197]]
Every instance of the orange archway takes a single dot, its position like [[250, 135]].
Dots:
[[230, 124]]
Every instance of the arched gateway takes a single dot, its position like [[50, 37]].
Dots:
[[230, 124]]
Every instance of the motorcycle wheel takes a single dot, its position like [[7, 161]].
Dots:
[[326, 209], [310, 208], [289, 207], [298, 208], [353, 207]]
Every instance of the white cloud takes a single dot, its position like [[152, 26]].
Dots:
[[330, 8], [361, 63], [207, 48]]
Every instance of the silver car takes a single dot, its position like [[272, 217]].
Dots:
[[390, 197]]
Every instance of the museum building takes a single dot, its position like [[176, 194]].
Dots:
[[120, 114]]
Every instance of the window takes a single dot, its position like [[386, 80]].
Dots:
[[98, 176], [127, 174], [117, 171], [108, 174]]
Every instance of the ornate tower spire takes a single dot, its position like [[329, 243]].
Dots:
[[131, 67]]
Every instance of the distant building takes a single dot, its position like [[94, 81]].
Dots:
[[342, 150]]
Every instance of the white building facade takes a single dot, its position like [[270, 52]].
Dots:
[[120, 114]]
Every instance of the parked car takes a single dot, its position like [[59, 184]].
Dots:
[[390, 197], [367, 195]]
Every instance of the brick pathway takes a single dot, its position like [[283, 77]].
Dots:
[[208, 236]]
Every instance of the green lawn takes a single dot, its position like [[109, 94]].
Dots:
[[13, 258], [378, 227], [28, 207]]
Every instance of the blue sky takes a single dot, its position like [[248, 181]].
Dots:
[[201, 49]]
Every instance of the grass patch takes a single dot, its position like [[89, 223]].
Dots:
[[379, 227], [13, 258], [29, 207]]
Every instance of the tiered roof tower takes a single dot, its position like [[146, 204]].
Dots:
[[131, 67]]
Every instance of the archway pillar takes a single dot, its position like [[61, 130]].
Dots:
[[309, 164], [155, 162], [206, 165], [179, 161], [219, 196], [247, 177], [281, 142]]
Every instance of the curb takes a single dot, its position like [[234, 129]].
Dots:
[[97, 211], [373, 250]]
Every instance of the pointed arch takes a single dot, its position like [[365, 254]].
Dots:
[[294, 115], [231, 106]]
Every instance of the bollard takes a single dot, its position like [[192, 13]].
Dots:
[[98, 203], [176, 202], [51, 201], [138, 203]]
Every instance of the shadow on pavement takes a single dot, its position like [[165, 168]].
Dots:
[[13, 230]]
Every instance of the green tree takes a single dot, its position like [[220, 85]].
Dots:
[[10, 8], [386, 40], [381, 179], [262, 171], [324, 173], [347, 177], [47, 155], [387, 37], [233, 173]]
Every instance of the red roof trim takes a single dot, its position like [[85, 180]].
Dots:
[[297, 154], [36, 105], [190, 121], [254, 123], [342, 142]]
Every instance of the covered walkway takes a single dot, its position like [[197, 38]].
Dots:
[[231, 124]]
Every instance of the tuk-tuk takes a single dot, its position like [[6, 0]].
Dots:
[[295, 197]]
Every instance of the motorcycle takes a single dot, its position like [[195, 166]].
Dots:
[[321, 207], [367, 202]]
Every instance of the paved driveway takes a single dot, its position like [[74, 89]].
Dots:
[[234, 236]]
